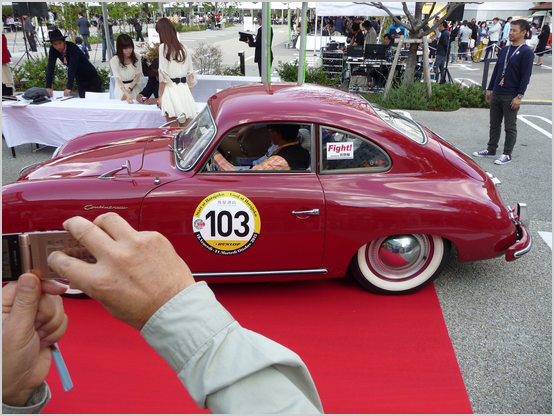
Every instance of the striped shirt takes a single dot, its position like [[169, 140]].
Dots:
[[273, 163]]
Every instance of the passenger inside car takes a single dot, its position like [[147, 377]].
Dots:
[[285, 150]]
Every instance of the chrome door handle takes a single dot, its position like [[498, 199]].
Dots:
[[310, 212]]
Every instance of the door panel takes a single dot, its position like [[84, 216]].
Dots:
[[183, 212]]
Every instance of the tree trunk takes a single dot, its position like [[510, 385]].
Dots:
[[411, 63]]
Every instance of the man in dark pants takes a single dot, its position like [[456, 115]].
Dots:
[[84, 30], [442, 49], [258, 45], [507, 86], [138, 28], [78, 66], [30, 33]]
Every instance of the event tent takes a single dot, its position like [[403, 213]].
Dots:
[[361, 9]]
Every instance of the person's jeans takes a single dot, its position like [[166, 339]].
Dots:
[[104, 48], [86, 42], [463, 49], [491, 48], [439, 67], [501, 109], [453, 50]]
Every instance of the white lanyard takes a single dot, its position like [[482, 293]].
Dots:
[[506, 61]]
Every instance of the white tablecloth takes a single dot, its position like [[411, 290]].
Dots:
[[56, 122]]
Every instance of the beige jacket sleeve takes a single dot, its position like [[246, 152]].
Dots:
[[225, 367]]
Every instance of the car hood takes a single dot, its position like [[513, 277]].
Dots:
[[102, 158]]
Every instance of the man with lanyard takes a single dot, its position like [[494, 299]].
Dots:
[[78, 66], [507, 86], [396, 31], [288, 155]]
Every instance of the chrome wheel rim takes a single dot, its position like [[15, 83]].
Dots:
[[399, 258]]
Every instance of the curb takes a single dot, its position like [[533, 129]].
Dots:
[[537, 102]]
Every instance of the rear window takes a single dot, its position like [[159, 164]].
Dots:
[[404, 125]]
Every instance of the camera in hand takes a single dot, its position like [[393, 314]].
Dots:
[[28, 253]]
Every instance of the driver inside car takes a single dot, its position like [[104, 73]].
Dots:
[[289, 154]]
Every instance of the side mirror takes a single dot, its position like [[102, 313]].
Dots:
[[111, 174]]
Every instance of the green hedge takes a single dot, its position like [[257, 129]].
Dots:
[[445, 97]]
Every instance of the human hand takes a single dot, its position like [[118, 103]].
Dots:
[[516, 103], [151, 101], [67, 92], [50, 91], [33, 318], [136, 273], [488, 96]]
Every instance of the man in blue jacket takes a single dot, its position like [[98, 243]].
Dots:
[[506, 89], [79, 67]]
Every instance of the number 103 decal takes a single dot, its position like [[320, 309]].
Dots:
[[226, 223]]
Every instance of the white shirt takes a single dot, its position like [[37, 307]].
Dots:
[[494, 32]]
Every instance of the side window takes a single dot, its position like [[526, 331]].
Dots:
[[349, 153], [250, 148]]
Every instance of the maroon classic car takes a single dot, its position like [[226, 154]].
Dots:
[[381, 194]]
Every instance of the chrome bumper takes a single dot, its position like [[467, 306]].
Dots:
[[523, 243]]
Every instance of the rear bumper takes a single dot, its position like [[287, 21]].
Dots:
[[521, 246], [523, 243]]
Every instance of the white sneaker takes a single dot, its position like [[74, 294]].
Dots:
[[502, 160]]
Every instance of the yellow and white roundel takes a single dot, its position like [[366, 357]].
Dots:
[[226, 223]]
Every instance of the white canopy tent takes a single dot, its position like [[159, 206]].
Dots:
[[248, 5], [361, 9]]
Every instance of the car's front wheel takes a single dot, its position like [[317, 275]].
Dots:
[[400, 264], [71, 293]]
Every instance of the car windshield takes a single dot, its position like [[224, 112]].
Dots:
[[191, 142], [404, 125]]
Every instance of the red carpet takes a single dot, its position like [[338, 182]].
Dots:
[[366, 353]]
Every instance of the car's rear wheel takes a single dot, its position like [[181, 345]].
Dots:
[[400, 264], [71, 293]]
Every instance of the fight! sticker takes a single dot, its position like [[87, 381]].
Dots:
[[340, 151], [226, 223]]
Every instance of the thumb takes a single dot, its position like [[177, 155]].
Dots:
[[27, 297]]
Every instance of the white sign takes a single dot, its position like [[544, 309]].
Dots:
[[153, 36], [248, 27], [340, 151]]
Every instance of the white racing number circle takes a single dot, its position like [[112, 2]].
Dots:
[[226, 223]]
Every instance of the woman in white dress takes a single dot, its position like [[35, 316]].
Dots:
[[127, 70], [176, 76]]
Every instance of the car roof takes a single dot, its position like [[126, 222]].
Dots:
[[261, 102]]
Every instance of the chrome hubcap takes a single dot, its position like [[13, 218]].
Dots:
[[399, 257]]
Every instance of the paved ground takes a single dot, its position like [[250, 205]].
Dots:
[[498, 314]]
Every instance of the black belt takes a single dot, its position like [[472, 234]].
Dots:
[[128, 82], [179, 80]]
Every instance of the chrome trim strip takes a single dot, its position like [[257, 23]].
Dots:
[[264, 273], [526, 250]]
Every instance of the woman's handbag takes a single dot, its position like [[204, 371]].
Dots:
[[485, 41], [471, 43]]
